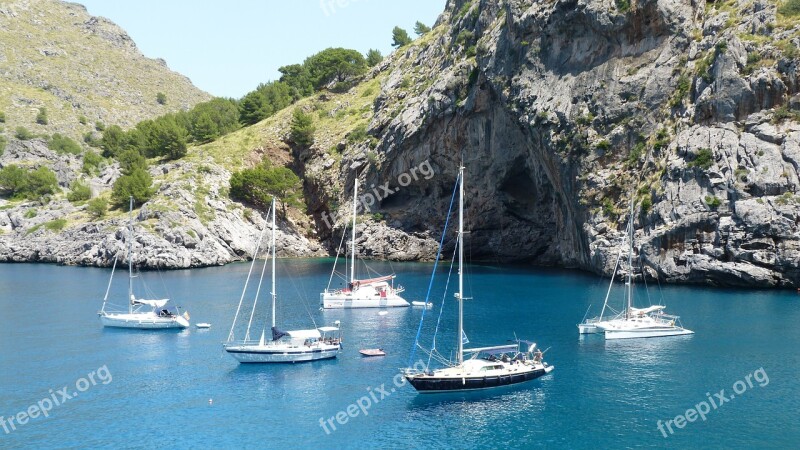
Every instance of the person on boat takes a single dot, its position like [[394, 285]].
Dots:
[[537, 356]]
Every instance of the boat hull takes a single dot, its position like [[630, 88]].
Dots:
[[645, 333], [438, 385], [345, 301], [588, 328], [266, 354], [143, 323]]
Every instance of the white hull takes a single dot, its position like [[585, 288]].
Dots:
[[588, 328], [346, 301], [281, 354], [142, 321], [646, 333]]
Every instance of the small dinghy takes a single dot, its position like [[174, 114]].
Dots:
[[372, 352], [422, 304], [203, 325]]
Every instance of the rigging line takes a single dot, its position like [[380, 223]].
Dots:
[[338, 251], [113, 268], [300, 292], [255, 255], [258, 291], [644, 281], [433, 272], [444, 298]]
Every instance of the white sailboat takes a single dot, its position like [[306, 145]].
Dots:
[[487, 367], [141, 313], [283, 346], [633, 322], [378, 292]]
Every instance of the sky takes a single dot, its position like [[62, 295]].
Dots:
[[228, 47]]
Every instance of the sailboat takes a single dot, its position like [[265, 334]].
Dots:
[[283, 346], [141, 314], [378, 292], [486, 367], [632, 322]]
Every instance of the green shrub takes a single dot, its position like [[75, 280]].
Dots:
[[161, 98], [18, 182], [41, 117], [30, 214], [63, 144], [789, 8], [257, 186], [647, 203], [603, 145], [83, 120], [79, 191], [137, 184], [91, 162], [704, 159], [636, 153], [713, 202], [682, 88], [56, 225], [301, 130], [3, 143], [97, 207], [608, 207], [2, 117], [359, 134], [465, 37], [623, 6], [23, 134]]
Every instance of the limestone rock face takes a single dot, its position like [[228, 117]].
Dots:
[[563, 110]]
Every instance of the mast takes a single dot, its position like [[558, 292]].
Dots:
[[460, 263], [130, 256], [353, 241], [273, 262], [630, 263]]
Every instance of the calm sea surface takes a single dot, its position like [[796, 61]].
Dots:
[[152, 389]]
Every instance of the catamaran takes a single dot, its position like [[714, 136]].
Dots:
[[142, 313], [283, 346], [486, 367], [632, 322], [378, 292]]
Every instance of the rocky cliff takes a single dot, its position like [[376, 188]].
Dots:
[[563, 110]]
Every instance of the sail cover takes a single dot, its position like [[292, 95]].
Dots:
[[648, 310], [277, 334], [374, 280], [153, 303]]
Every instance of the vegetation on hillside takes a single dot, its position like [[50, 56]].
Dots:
[[23, 183], [257, 186]]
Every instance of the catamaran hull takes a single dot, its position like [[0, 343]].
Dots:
[[144, 324], [246, 356], [348, 302], [587, 328], [437, 385], [645, 333]]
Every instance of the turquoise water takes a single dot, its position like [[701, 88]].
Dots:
[[153, 388]]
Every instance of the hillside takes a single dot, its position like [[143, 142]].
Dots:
[[559, 109], [55, 55]]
